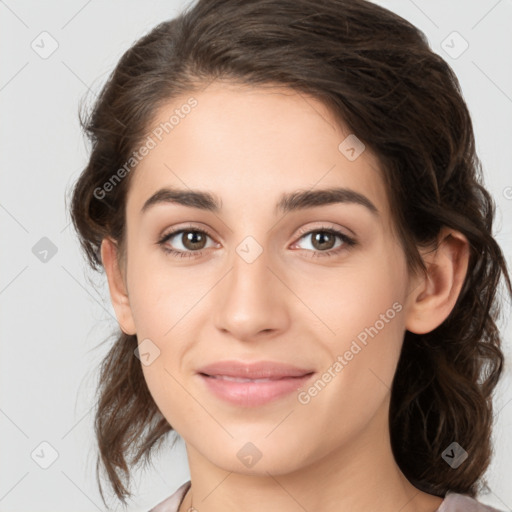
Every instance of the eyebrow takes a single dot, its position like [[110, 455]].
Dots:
[[288, 202]]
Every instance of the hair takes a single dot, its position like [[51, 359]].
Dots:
[[377, 75]]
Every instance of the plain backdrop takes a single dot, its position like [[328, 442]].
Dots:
[[54, 312]]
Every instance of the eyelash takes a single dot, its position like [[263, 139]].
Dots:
[[348, 242]]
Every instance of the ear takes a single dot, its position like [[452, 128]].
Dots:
[[434, 296], [117, 286]]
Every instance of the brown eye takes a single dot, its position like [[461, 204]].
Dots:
[[323, 240], [193, 240], [185, 242]]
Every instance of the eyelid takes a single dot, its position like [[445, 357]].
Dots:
[[179, 229], [348, 241], [185, 227], [302, 231], [323, 226]]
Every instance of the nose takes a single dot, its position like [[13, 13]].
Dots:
[[252, 300]]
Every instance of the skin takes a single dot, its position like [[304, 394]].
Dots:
[[248, 146]]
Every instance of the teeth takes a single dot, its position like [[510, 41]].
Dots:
[[237, 379]]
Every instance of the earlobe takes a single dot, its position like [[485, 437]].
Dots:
[[117, 286], [433, 299]]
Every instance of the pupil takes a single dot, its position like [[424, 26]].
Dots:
[[191, 239], [320, 238]]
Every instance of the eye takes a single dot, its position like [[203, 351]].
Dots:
[[323, 240], [191, 239]]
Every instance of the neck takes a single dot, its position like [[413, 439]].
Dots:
[[359, 476]]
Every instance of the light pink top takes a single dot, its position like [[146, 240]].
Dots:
[[453, 502]]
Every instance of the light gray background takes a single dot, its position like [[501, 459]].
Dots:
[[55, 314]]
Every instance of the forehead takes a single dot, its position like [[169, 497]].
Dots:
[[252, 142]]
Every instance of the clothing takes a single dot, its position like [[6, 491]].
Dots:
[[452, 502], [173, 502]]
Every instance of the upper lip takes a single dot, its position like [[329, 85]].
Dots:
[[253, 370]]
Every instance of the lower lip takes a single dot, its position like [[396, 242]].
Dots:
[[251, 394]]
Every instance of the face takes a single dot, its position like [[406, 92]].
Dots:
[[319, 285]]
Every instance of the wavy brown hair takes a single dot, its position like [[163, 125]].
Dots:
[[377, 75]]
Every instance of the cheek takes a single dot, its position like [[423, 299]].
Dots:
[[362, 313], [356, 381], [344, 302], [164, 304], [169, 392], [162, 295]]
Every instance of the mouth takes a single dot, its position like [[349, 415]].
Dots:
[[257, 390], [242, 379], [260, 370]]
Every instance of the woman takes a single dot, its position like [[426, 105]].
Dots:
[[287, 203]]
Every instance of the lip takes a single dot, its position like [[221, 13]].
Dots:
[[253, 370], [280, 380]]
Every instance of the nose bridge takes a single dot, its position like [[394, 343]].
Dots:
[[251, 297]]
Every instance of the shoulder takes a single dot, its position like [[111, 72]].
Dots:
[[454, 502], [172, 503]]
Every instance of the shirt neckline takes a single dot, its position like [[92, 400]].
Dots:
[[441, 507]]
